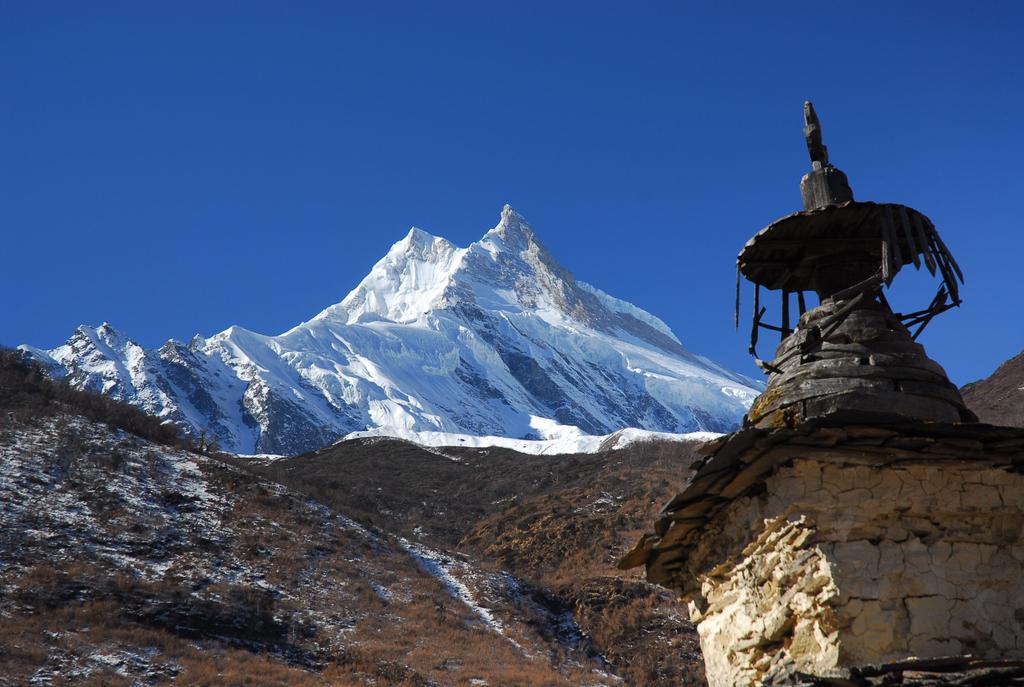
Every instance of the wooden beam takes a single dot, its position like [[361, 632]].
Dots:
[[908, 233], [922, 239], [894, 239], [785, 313]]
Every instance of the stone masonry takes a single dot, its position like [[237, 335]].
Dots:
[[821, 550]]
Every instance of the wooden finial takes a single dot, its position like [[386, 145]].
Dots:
[[812, 132], [825, 184]]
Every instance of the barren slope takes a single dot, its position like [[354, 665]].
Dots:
[[126, 562], [559, 522], [999, 398]]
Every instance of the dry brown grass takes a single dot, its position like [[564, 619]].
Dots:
[[234, 668], [59, 614], [75, 629], [331, 624], [546, 519], [444, 644]]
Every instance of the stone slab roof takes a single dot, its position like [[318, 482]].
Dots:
[[962, 671], [737, 464]]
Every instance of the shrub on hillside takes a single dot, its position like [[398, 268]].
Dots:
[[26, 392]]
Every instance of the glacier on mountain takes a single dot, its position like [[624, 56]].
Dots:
[[477, 341]]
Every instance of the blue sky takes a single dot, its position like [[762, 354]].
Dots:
[[180, 167]]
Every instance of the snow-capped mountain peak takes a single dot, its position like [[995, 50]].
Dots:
[[423, 272], [512, 231], [404, 284], [482, 340], [104, 335]]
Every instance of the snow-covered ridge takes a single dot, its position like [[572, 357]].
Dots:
[[621, 306], [478, 341], [581, 443], [404, 285]]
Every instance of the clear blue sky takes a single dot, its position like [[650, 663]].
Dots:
[[180, 167]]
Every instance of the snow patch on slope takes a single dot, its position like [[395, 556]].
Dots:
[[448, 570], [558, 439]]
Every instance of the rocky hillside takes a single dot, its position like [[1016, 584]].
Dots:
[[999, 398], [124, 561], [558, 522], [493, 339]]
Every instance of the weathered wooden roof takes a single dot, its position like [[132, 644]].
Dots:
[[784, 254], [739, 462]]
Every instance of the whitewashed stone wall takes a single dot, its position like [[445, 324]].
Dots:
[[837, 564]]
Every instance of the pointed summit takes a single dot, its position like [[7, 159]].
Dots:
[[404, 284], [508, 212], [512, 228], [418, 237], [417, 244], [104, 335], [108, 334]]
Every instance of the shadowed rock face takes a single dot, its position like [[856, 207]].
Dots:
[[855, 361], [999, 398]]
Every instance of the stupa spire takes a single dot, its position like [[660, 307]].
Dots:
[[825, 184], [846, 252]]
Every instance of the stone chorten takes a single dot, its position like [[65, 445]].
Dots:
[[861, 528], [850, 358]]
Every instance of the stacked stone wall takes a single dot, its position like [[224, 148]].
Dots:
[[836, 564]]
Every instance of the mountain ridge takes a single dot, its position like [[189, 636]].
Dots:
[[999, 398], [483, 340]]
